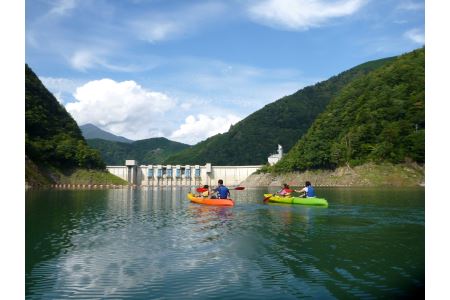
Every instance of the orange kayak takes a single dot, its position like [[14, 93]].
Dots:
[[209, 201]]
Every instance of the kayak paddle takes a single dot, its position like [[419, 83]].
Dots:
[[267, 198], [201, 190]]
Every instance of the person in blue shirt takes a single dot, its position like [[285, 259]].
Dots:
[[222, 191], [308, 190]]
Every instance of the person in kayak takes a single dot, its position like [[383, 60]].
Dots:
[[222, 191], [205, 193], [307, 191], [285, 190]]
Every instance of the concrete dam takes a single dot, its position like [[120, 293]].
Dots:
[[181, 175]]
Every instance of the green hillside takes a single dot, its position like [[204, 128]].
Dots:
[[283, 122], [377, 117], [148, 151], [54, 146], [51, 135]]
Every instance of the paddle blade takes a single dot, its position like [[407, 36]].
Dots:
[[239, 188], [267, 198]]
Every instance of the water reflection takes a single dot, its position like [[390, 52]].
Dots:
[[153, 243], [213, 221]]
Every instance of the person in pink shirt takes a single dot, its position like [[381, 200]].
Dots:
[[285, 191]]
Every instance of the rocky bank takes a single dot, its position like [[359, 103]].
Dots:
[[403, 175]]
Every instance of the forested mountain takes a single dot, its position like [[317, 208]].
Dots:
[[377, 117], [91, 131], [52, 136], [148, 151], [283, 122]]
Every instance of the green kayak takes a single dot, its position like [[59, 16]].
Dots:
[[297, 200]]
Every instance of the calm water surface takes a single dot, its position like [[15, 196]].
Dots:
[[154, 244]]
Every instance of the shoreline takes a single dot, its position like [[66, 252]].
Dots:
[[367, 175]]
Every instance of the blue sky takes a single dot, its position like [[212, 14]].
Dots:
[[187, 70]]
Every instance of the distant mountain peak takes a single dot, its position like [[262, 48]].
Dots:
[[90, 131], [89, 125], [148, 151]]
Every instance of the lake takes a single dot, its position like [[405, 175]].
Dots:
[[154, 244]]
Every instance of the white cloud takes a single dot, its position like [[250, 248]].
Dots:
[[157, 31], [416, 35], [219, 88], [123, 108], [62, 84], [61, 88], [301, 14], [408, 5], [241, 88], [198, 128], [62, 7], [83, 59], [127, 109], [155, 27]]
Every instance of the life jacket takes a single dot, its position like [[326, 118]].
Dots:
[[285, 191], [222, 192], [310, 192], [205, 193]]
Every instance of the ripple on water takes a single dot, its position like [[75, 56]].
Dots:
[[138, 246]]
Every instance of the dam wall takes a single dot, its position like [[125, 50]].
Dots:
[[181, 175]]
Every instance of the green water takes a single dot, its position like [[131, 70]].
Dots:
[[154, 244]]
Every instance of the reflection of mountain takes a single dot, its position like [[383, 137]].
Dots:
[[132, 243], [301, 216], [51, 224]]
